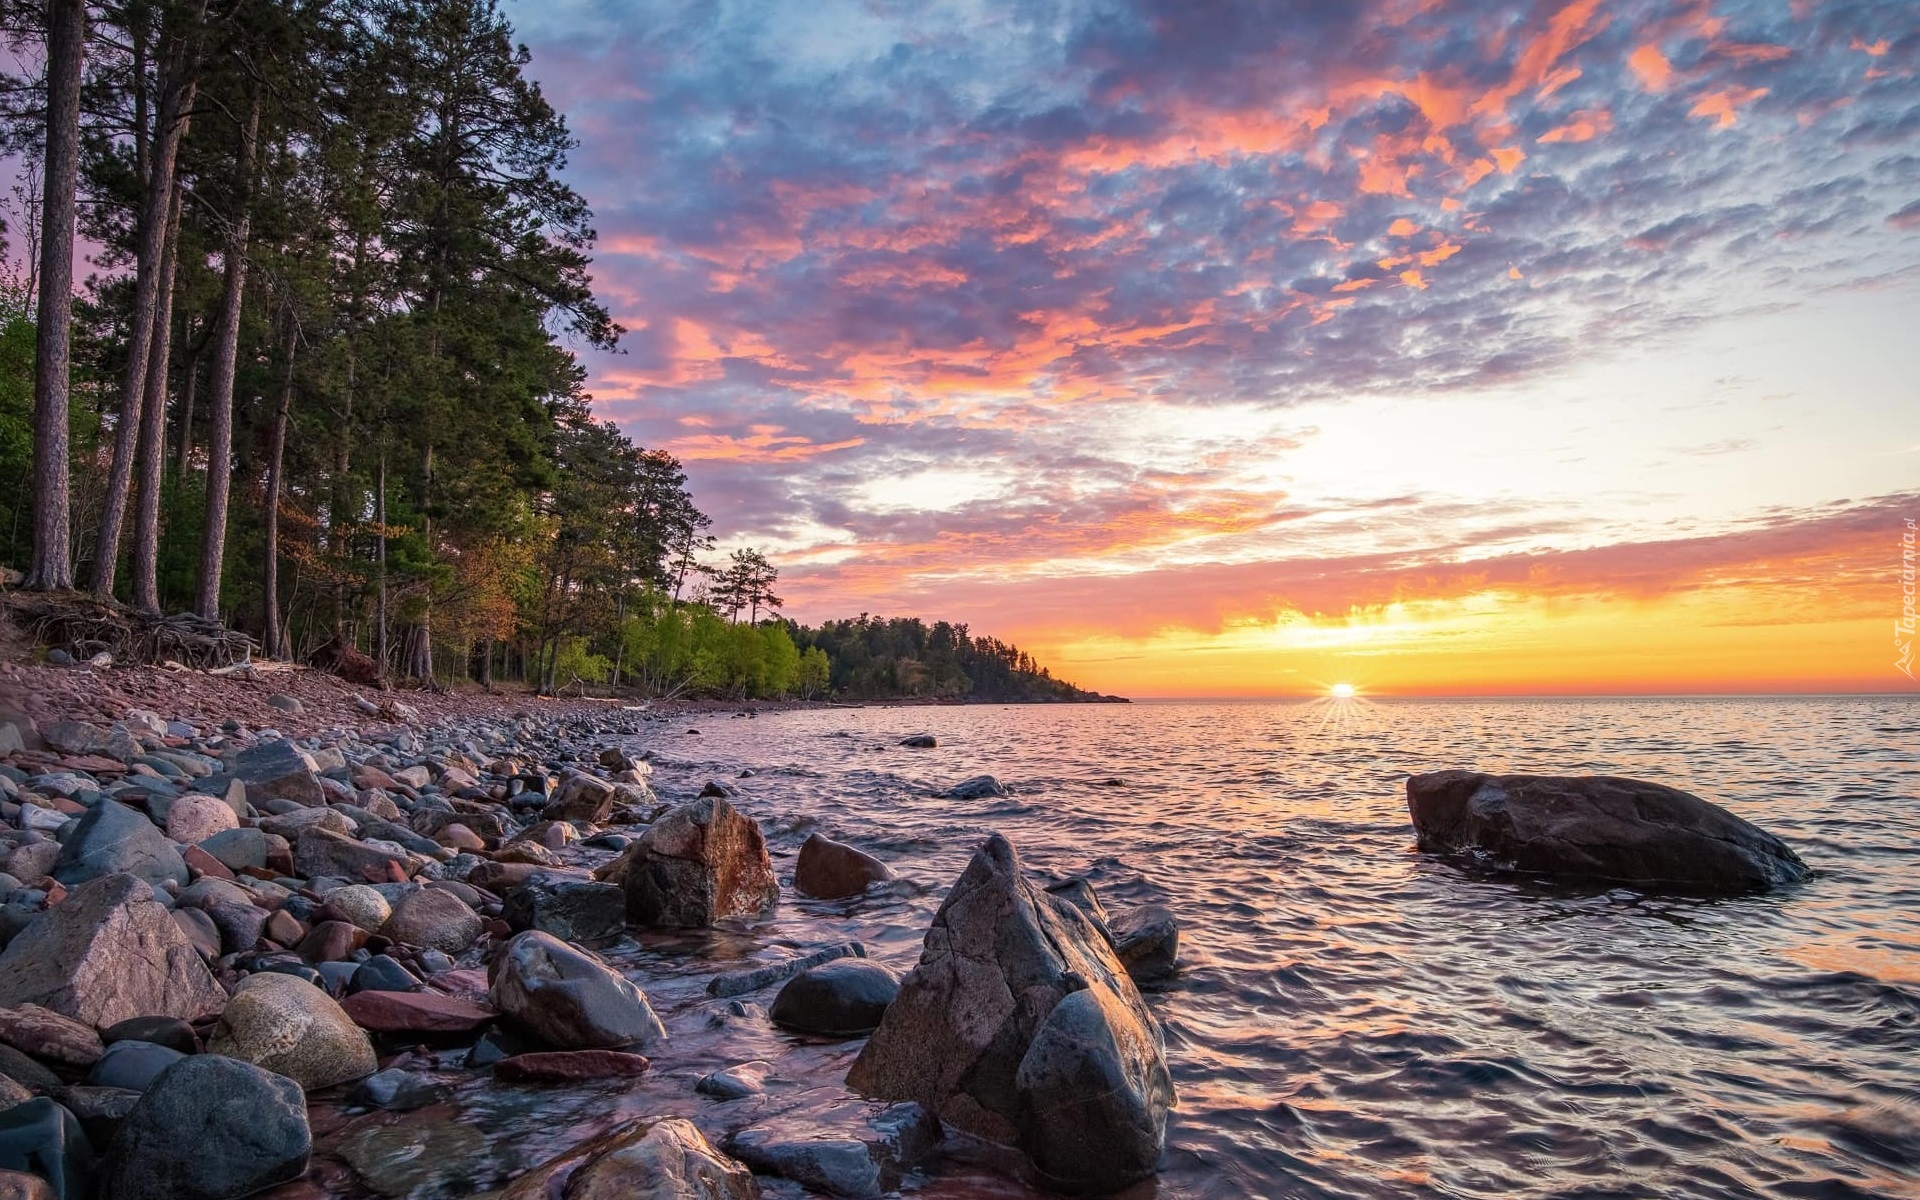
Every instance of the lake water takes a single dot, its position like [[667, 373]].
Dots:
[[1352, 1018]]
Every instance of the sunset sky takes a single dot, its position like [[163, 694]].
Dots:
[[1240, 349]]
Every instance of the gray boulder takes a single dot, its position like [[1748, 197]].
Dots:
[[109, 952], [432, 918], [699, 863], [842, 1151], [569, 908], [320, 852], [289, 1026], [1001, 957], [210, 1128], [568, 998], [111, 838], [278, 770], [1596, 827]]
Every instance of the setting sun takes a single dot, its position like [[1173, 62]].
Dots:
[[1342, 691]]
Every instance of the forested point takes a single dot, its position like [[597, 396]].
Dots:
[[322, 388]]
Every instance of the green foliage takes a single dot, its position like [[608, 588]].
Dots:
[[876, 658], [16, 433]]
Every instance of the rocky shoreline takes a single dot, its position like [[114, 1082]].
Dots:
[[239, 916]]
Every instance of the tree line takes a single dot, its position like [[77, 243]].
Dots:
[[322, 387], [322, 384]]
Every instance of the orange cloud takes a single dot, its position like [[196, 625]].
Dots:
[[1651, 67], [1582, 126], [1723, 106]]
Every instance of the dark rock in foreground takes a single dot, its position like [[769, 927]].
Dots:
[[209, 1128], [1019, 1025], [845, 998], [1597, 827], [699, 863]]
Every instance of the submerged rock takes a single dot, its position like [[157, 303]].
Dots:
[[699, 863], [569, 908], [979, 787], [842, 1152], [210, 1128], [974, 1034], [647, 1160], [1597, 827]]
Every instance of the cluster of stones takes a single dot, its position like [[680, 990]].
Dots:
[[201, 927]]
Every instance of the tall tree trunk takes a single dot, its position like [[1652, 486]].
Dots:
[[270, 584], [380, 518], [153, 426], [225, 353], [52, 514], [176, 93], [189, 377]]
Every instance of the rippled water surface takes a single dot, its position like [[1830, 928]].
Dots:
[[1354, 1019]]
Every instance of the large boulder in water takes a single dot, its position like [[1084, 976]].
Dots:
[[699, 863], [568, 998], [1598, 827], [831, 870], [984, 1035], [107, 953]]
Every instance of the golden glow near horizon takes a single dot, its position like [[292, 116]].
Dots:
[[1342, 691]]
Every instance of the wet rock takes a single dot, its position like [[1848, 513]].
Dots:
[[829, 870], [291, 1027], [398, 1090], [382, 973], [132, 1065], [569, 908], [699, 863], [170, 1032], [42, 1138], [49, 1036], [840, 1153], [1597, 827], [739, 983], [568, 1066], [430, 917], [278, 770], [1092, 1066], [100, 1110], [18, 1185], [979, 787], [1147, 939], [648, 1160], [193, 819], [111, 838], [110, 951], [581, 798], [359, 905], [568, 998], [735, 1083], [415, 1012], [26, 1071], [1002, 955], [320, 852], [846, 998], [210, 1128], [920, 741]]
